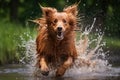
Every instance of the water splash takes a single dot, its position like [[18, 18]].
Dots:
[[91, 56]]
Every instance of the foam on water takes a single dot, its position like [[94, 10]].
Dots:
[[91, 57]]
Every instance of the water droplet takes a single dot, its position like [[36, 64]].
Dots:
[[96, 4], [84, 4], [67, 0]]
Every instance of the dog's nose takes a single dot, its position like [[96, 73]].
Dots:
[[59, 28]]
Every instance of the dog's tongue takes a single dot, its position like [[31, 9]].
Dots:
[[60, 35]]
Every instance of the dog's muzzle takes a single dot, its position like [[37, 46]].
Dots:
[[60, 33]]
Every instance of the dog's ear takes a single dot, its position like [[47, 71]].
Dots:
[[71, 9], [47, 11]]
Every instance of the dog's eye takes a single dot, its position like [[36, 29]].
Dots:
[[55, 21], [64, 21]]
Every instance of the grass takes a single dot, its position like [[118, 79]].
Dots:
[[11, 36], [112, 42]]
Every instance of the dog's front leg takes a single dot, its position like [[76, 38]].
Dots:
[[61, 70], [43, 66]]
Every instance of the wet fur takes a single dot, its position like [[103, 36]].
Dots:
[[50, 50]]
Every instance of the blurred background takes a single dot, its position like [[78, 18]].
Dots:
[[16, 28]]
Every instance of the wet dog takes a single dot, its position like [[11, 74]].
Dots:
[[55, 40]]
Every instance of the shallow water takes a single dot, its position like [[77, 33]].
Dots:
[[22, 72]]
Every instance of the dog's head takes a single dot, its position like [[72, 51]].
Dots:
[[60, 23]]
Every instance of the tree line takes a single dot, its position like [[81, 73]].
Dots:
[[106, 11]]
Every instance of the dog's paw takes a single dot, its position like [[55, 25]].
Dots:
[[60, 71], [45, 71]]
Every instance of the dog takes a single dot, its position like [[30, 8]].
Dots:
[[56, 39]]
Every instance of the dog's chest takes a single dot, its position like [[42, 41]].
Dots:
[[58, 54], [59, 49]]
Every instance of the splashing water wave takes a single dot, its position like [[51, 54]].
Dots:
[[91, 57]]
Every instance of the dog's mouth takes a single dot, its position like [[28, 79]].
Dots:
[[60, 35]]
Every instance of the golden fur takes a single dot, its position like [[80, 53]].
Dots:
[[56, 46]]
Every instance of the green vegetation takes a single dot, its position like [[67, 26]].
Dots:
[[11, 36], [105, 11], [112, 42]]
